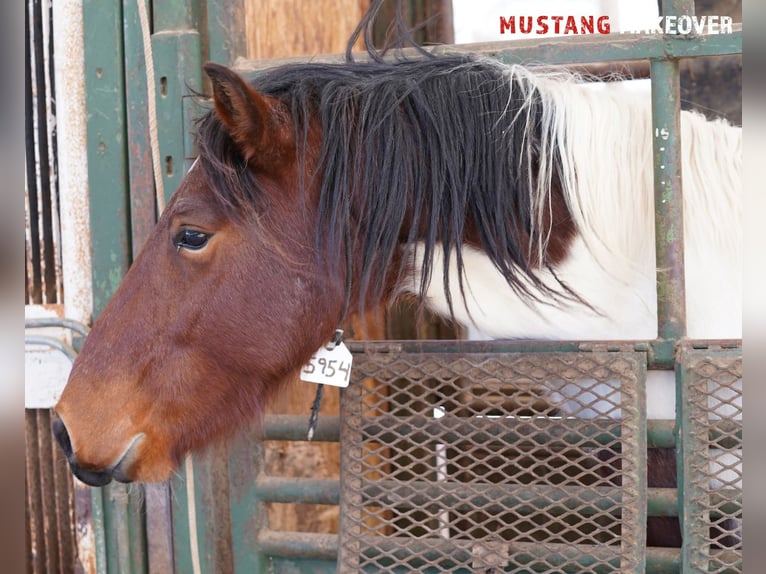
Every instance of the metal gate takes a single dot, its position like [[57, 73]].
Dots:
[[452, 458]]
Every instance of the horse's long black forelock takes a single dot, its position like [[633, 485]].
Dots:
[[432, 145]]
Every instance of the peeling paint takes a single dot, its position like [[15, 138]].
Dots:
[[73, 159]]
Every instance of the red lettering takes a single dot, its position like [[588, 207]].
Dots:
[[603, 25], [542, 24], [528, 20], [557, 20], [571, 26], [586, 25], [509, 24]]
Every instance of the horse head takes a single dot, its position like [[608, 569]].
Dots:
[[225, 302]]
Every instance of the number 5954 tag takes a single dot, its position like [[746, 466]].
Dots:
[[329, 366]]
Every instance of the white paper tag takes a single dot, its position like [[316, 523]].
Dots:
[[329, 366]]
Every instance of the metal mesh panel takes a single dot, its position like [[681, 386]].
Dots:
[[712, 459], [493, 462]]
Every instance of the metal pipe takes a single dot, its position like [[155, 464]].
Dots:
[[71, 117], [70, 324], [668, 199], [62, 346]]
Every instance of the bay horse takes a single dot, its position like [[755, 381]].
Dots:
[[519, 203]]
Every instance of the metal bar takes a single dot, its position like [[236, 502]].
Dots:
[[74, 187], [57, 344], [34, 257], [298, 544], [725, 433], [517, 346], [668, 196], [634, 472], [44, 160], [659, 432], [293, 428], [560, 50], [298, 490], [177, 65], [249, 515], [34, 496], [299, 565], [56, 322], [107, 152]]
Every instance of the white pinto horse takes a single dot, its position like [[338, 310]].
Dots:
[[604, 136]]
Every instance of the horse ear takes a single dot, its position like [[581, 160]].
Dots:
[[252, 120]]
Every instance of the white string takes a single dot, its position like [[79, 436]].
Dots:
[[191, 505], [151, 96]]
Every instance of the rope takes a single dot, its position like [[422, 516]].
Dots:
[[154, 142], [191, 505], [151, 97]]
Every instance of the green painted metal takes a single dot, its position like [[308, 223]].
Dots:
[[564, 50], [226, 37], [177, 15], [118, 525], [626, 47], [699, 505], [669, 228], [107, 153], [249, 515], [177, 61]]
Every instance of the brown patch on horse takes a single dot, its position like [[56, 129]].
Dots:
[[557, 223], [562, 228]]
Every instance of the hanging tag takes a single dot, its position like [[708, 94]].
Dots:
[[329, 366]]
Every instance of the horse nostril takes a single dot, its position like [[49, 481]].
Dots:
[[91, 477], [62, 437]]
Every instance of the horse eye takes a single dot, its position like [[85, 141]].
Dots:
[[189, 239]]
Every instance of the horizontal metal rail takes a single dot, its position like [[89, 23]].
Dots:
[[491, 498], [298, 544], [325, 547], [294, 427], [558, 50], [52, 342], [660, 352], [297, 490], [71, 324]]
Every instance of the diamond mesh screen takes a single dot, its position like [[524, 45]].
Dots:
[[493, 463], [712, 421]]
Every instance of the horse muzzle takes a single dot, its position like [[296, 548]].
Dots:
[[93, 477]]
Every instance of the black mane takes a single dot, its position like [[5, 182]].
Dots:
[[436, 146]]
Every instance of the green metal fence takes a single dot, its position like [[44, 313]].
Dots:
[[225, 526]]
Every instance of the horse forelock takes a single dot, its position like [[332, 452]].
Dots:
[[437, 152]]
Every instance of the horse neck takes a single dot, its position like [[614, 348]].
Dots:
[[604, 134]]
